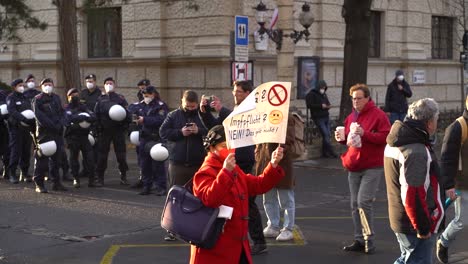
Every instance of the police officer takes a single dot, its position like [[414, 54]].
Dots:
[[4, 139], [89, 97], [30, 90], [20, 128], [111, 131], [141, 86], [48, 109], [134, 109], [78, 119], [151, 115]]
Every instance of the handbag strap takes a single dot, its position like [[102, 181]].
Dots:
[[189, 185]]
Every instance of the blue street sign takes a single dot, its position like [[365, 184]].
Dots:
[[242, 31]]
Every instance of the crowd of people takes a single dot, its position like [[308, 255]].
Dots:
[[393, 143]]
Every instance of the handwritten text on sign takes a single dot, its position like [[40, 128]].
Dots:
[[261, 117]]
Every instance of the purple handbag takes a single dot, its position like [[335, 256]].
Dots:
[[186, 218]]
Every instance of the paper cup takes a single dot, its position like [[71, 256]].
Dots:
[[341, 131]]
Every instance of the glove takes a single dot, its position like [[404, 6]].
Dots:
[[31, 122]]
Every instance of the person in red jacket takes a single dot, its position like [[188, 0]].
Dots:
[[366, 130], [219, 181]]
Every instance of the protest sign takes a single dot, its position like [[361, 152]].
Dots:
[[261, 118]]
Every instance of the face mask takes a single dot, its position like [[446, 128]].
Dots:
[[109, 88], [75, 100], [147, 100], [31, 85], [223, 153], [20, 89], [400, 78], [191, 112], [89, 85], [322, 91], [47, 89]]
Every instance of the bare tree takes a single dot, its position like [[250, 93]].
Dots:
[[357, 17]]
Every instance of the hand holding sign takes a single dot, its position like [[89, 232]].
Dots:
[[276, 156]]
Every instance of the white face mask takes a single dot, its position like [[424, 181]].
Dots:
[[109, 88], [322, 91], [47, 89], [31, 85], [89, 85], [400, 78], [20, 89], [147, 100]]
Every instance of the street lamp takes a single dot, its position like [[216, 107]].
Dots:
[[276, 35]]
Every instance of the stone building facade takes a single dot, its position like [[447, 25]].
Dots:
[[187, 44]]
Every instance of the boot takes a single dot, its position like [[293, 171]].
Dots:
[[40, 188], [57, 186], [93, 183], [25, 177], [123, 178], [13, 178], [100, 179], [6, 173]]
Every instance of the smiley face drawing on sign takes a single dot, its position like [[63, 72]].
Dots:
[[275, 117]]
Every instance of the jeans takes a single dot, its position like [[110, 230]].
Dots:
[[324, 126], [275, 199], [396, 116], [415, 250], [363, 187], [456, 225]]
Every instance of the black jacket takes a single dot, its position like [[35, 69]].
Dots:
[[103, 105], [314, 100], [188, 151], [395, 99], [90, 98], [49, 116], [450, 155], [74, 133], [17, 103]]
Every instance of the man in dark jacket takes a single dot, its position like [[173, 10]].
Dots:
[[319, 105], [20, 128], [454, 152], [48, 110], [245, 156], [4, 138], [89, 97], [396, 104], [78, 119], [414, 198], [112, 131]]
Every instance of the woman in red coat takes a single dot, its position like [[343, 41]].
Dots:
[[219, 181]]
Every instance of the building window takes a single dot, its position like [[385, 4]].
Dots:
[[104, 33], [374, 38], [442, 31]]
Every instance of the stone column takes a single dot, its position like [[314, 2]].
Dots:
[[285, 60]]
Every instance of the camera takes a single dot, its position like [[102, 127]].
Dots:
[[209, 99]]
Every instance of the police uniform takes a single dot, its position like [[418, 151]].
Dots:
[[50, 122], [20, 139], [4, 138], [77, 139], [153, 115], [144, 82], [110, 131], [133, 109]]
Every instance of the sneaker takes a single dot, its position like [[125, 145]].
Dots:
[[285, 235], [169, 237], [355, 246], [441, 252], [258, 249], [270, 232]]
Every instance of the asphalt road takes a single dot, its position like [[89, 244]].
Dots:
[[114, 225]]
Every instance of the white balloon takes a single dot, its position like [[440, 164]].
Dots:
[[117, 113], [29, 114], [135, 138], [91, 140], [159, 153], [3, 109], [48, 148], [84, 124]]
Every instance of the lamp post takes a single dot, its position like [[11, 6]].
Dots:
[[276, 35]]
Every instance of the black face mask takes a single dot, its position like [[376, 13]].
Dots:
[[191, 112], [75, 100]]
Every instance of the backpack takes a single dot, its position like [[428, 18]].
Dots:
[[297, 146]]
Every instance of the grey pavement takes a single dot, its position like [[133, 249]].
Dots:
[[114, 225]]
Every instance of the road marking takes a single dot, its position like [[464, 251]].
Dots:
[[114, 249], [332, 217]]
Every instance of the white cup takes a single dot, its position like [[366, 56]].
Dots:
[[341, 132]]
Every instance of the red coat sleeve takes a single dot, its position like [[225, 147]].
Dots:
[[211, 188]]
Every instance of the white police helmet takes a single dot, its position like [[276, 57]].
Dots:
[[135, 138], [159, 153], [48, 148], [29, 114], [3, 109], [91, 140], [117, 113], [84, 124]]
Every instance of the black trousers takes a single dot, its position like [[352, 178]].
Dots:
[[81, 145], [20, 149], [51, 164], [117, 138], [255, 222], [4, 149]]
